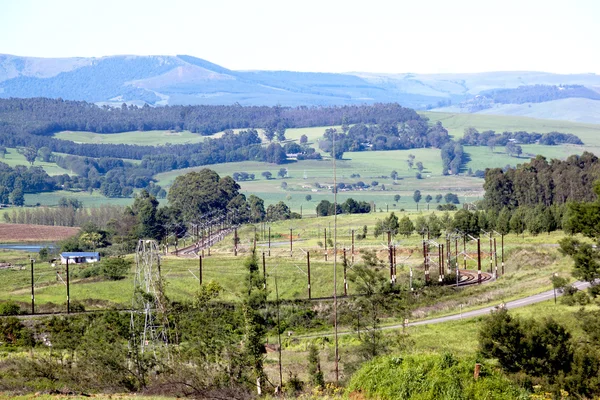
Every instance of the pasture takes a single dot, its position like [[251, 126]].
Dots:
[[528, 268], [148, 138]]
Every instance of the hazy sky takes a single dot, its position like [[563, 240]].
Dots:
[[317, 35]]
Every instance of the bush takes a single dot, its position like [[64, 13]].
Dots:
[[9, 308], [14, 333], [115, 268], [430, 377]]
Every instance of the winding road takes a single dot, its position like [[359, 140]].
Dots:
[[525, 301]]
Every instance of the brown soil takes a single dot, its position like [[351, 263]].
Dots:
[[34, 233]]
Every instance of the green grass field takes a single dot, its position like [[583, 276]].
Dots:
[[89, 200], [153, 138], [456, 123], [14, 158], [530, 262]]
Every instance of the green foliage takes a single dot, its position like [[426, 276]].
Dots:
[[9, 308], [467, 222], [430, 377], [279, 211], [253, 303], [405, 226], [389, 224], [314, 367], [115, 268], [14, 334], [535, 348], [196, 193], [586, 260]]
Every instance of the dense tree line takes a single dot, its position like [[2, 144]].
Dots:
[[473, 137], [42, 116], [350, 206], [387, 135], [542, 182], [15, 182], [66, 214], [539, 93]]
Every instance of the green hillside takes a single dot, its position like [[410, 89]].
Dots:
[[134, 137]]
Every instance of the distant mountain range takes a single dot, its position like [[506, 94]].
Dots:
[[168, 80]]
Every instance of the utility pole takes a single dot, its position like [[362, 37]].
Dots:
[[391, 260], [495, 259], [32, 291], [352, 246], [502, 236], [235, 242], [264, 271], [68, 293], [200, 268], [269, 240], [278, 335], [308, 269], [335, 316], [325, 233], [345, 281], [478, 260], [291, 247]]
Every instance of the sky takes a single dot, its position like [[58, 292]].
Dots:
[[394, 36]]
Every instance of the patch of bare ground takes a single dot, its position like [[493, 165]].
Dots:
[[34, 233]]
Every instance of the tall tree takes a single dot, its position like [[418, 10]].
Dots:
[[417, 197]]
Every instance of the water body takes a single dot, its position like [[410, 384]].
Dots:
[[30, 247]]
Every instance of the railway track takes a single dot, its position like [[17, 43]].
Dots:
[[468, 277]]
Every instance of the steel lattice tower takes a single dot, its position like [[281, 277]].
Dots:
[[149, 322]]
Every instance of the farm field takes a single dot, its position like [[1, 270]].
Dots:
[[34, 233], [14, 158], [152, 138], [528, 267], [89, 200], [302, 176], [456, 123]]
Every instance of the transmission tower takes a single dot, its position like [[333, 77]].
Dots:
[[149, 323]]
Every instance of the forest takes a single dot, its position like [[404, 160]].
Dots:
[[542, 182], [540, 93]]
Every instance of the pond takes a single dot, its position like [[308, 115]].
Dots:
[[25, 246]]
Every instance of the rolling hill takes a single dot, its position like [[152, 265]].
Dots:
[[182, 79]]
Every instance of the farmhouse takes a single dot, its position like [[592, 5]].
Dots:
[[79, 257]]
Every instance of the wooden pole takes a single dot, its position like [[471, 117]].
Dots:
[[442, 262], [235, 242], [269, 241], [495, 259], [425, 263], [352, 246], [325, 232], [264, 271], [345, 279], [200, 269], [391, 260], [68, 293], [491, 254], [308, 269], [32, 290], [478, 260], [291, 248], [502, 254]]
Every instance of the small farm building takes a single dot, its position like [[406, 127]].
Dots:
[[79, 257]]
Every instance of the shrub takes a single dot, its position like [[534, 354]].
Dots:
[[9, 308], [424, 377]]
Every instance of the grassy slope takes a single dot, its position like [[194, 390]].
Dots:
[[154, 138], [527, 270], [13, 158]]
